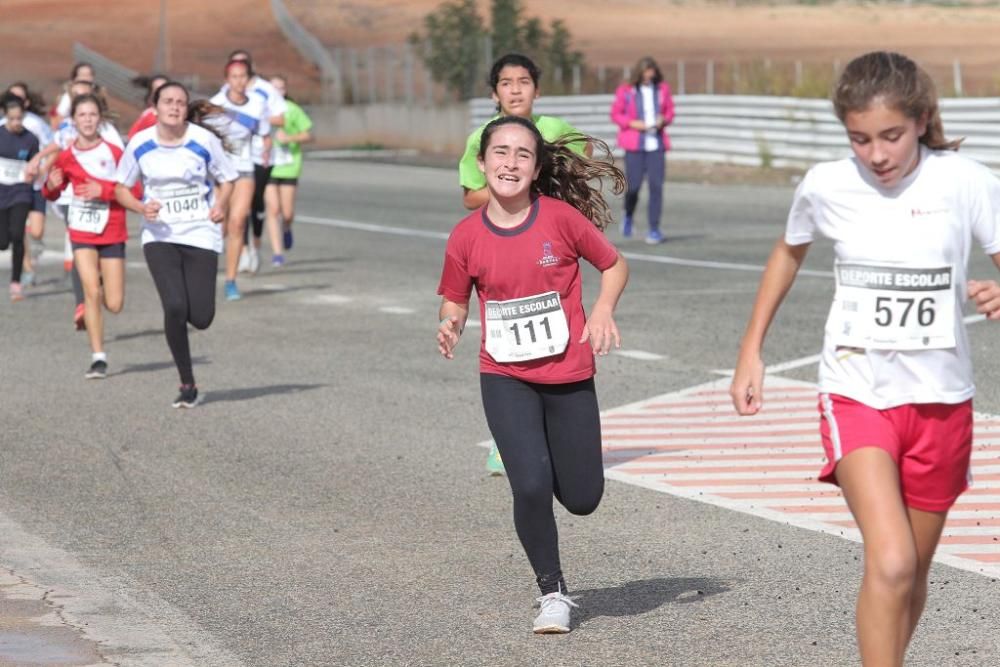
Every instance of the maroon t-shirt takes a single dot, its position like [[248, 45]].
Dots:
[[539, 255]]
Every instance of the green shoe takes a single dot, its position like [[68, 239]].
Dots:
[[493, 462]]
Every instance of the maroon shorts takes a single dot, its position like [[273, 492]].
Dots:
[[931, 444]]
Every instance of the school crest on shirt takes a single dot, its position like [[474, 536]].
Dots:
[[548, 259]]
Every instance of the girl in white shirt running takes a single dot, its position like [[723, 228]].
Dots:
[[896, 374], [245, 118], [177, 161]]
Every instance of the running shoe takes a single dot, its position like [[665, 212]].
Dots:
[[16, 293], [78, 321], [98, 370], [188, 398], [627, 227], [244, 264], [654, 237], [553, 615], [254, 260], [232, 291], [494, 464], [277, 261], [287, 238], [27, 278]]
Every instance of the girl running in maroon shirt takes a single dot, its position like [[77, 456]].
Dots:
[[521, 253]]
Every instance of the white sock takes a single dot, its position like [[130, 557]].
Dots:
[[99, 356]]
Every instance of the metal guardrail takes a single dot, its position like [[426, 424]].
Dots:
[[310, 48], [116, 79], [113, 77], [756, 131]]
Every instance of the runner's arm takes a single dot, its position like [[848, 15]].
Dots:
[[986, 293], [124, 196], [600, 327], [452, 317], [473, 199], [779, 274]]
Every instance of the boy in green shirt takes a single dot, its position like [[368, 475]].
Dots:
[[514, 86]]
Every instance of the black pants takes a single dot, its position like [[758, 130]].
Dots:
[[12, 221], [185, 279], [549, 437], [261, 175]]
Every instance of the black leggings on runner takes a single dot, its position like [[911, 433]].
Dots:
[[185, 279], [549, 437], [12, 221], [261, 175]]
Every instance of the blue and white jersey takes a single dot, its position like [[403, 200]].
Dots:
[[242, 123], [180, 177], [276, 106]]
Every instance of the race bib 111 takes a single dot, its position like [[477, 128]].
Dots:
[[532, 327]]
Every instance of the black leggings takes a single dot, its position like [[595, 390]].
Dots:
[[12, 221], [261, 175], [185, 279], [549, 437]]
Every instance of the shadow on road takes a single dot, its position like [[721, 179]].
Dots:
[[138, 334], [645, 595], [157, 366], [250, 393]]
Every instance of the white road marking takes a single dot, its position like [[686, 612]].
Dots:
[[640, 355], [327, 299], [443, 236], [396, 310]]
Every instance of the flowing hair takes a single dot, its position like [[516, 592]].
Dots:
[[33, 101], [566, 175], [900, 84], [200, 112]]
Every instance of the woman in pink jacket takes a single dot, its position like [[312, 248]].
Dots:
[[642, 109]]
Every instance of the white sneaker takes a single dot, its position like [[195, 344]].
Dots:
[[244, 264], [553, 617], [254, 260]]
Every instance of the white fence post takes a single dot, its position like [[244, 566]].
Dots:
[[680, 77], [710, 77], [956, 72]]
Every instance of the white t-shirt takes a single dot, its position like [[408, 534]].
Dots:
[[275, 104], [191, 163], [929, 220], [650, 141], [243, 124]]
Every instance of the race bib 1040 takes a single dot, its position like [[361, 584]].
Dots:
[[181, 204], [88, 215], [893, 307], [532, 327]]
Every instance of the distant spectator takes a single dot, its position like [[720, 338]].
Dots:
[[80, 72], [642, 109]]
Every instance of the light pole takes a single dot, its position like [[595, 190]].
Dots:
[[161, 62]]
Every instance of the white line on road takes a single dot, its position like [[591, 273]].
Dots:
[[641, 355], [443, 236], [396, 310]]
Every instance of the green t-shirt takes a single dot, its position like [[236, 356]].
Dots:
[[296, 121], [552, 128]]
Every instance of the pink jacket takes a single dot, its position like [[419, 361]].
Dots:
[[626, 108]]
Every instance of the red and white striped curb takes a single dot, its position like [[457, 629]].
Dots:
[[691, 443]]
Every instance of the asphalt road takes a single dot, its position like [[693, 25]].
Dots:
[[327, 504]]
